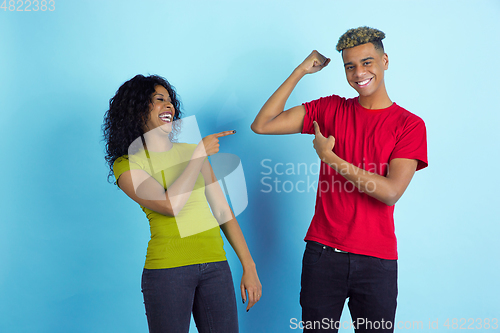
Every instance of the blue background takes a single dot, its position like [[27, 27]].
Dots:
[[72, 245]]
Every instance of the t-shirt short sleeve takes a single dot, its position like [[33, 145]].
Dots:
[[124, 163], [412, 142], [315, 111]]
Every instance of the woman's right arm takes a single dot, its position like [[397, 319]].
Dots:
[[152, 195]]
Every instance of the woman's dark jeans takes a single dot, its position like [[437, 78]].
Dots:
[[206, 290]]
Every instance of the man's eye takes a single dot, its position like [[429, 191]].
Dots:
[[367, 63]]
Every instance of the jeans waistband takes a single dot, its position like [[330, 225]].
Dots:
[[327, 247]]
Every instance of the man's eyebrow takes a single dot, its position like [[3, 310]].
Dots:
[[362, 60]]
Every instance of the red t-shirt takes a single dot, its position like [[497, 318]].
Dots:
[[344, 217]]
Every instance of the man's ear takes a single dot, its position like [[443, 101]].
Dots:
[[385, 59]]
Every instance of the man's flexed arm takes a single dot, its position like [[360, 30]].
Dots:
[[272, 119]]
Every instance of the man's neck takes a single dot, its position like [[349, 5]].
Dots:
[[375, 102]]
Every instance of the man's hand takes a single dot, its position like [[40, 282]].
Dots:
[[323, 146], [314, 63], [272, 119], [387, 189]]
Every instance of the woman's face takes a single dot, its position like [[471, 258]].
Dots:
[[161, 111]]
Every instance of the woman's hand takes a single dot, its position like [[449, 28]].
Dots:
[[250, 284], [209, 145]]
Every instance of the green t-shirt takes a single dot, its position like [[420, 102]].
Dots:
[[193, 236]]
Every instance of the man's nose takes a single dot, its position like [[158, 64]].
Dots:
[[360, 71]]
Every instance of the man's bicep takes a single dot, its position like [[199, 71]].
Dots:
[[290, 121], [401, 171]]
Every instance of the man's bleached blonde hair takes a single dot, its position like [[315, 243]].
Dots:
[[359, 36]]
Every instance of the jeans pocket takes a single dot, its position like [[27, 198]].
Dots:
[[312, 254], [388, 264]]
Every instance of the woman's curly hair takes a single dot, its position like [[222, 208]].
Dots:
[[128, 113]]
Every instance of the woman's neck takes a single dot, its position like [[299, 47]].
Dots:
[[157, 142]]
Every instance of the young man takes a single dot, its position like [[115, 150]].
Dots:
[[370, 149]]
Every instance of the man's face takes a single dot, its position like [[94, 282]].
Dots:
[[364, 68]]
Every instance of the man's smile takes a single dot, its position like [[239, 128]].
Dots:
[[364, 83]]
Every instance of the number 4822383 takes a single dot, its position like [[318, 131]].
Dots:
[[28, 6]]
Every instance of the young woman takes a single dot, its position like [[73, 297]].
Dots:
[[186, 269]]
